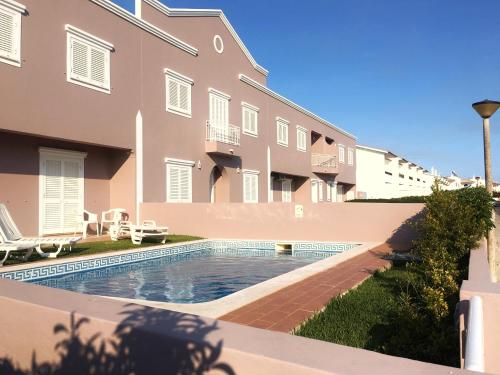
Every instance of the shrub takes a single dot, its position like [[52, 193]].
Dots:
[[452, 224], [411, 199]]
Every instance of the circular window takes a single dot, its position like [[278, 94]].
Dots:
[[218, 44]]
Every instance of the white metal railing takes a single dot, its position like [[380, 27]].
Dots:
[[474, 344], [324, 160], [229, 134]]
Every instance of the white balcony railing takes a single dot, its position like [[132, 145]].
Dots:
[[229, 134], [324, 160]]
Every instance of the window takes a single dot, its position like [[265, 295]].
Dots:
[[88, 60], [301, 138], [341, 154], [282, 131], [286, 191], [314, 191], [178, 93], [249, 119], [250, 186], [10, 32], [350, 156], [179, 180], [219, 109]]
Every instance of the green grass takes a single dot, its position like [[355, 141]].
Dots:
[[89, 248], [360, 318]]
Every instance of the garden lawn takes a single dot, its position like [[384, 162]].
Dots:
[[88, 248], [362, 317]]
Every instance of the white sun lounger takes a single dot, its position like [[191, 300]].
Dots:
[[9, 247], [138, 232], [10, 234]]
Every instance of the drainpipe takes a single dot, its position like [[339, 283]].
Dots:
[[474, 344]]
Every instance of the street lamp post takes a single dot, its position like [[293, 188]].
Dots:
[[486, 109]]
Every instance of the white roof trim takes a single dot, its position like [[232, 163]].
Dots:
[[219, 93], [89, 37], [126, 15], [14, 5], [182, 12], [188, 163], [372, 149], [281, 98], [179, 76]]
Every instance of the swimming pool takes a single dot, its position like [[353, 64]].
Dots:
[[190, 273]]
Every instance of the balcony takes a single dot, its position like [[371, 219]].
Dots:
[[222, 140], [324, 163]]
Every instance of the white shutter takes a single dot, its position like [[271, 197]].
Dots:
[[184, 100], [61, 197], [173, 93], [72, 195], [320, 191], [185, 184], [88, 60], [314, 191], [10, 34], [329, 191], [286, 191], [52, 194], [250, 188], [340, 193], [341, 154], [98, 67], [219, 108], [179, 184]]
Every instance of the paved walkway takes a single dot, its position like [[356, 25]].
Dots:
[[289, 307]]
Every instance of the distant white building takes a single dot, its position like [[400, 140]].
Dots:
[[383, 174]]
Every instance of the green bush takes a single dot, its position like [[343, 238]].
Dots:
[[411, 199], [452, 224]]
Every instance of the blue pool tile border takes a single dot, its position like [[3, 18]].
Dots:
[[230, 247]]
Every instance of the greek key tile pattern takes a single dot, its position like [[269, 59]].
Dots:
[[229, 247]]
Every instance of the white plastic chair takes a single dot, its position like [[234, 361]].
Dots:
[[88, 218], [113, 217]]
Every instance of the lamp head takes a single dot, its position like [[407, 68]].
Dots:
[[486, 108]]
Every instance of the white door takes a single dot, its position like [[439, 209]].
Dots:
[[61, 193], [286, 191], [340, 193], [314, 191], [219, 115]]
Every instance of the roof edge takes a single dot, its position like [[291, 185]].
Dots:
[[288, 102], [185, 12]]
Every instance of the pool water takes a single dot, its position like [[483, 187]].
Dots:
[[188, 278]]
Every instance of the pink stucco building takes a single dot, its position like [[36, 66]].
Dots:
[[103, 108]]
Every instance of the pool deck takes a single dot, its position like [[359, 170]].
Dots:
[[287, 308]]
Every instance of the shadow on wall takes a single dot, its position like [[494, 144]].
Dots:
[[402, 237], [137, 347]]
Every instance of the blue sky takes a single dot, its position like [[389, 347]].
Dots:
[[399, 74]]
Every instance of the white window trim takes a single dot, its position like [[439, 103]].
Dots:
[[303, 130], [13, 6], [188, 163], [181, 80], [182, 163], [254, 173], [211, 90], [248, 107], [342, 159], [74, 32], [282, 121]]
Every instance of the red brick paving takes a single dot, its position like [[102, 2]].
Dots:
[[287, 308]]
